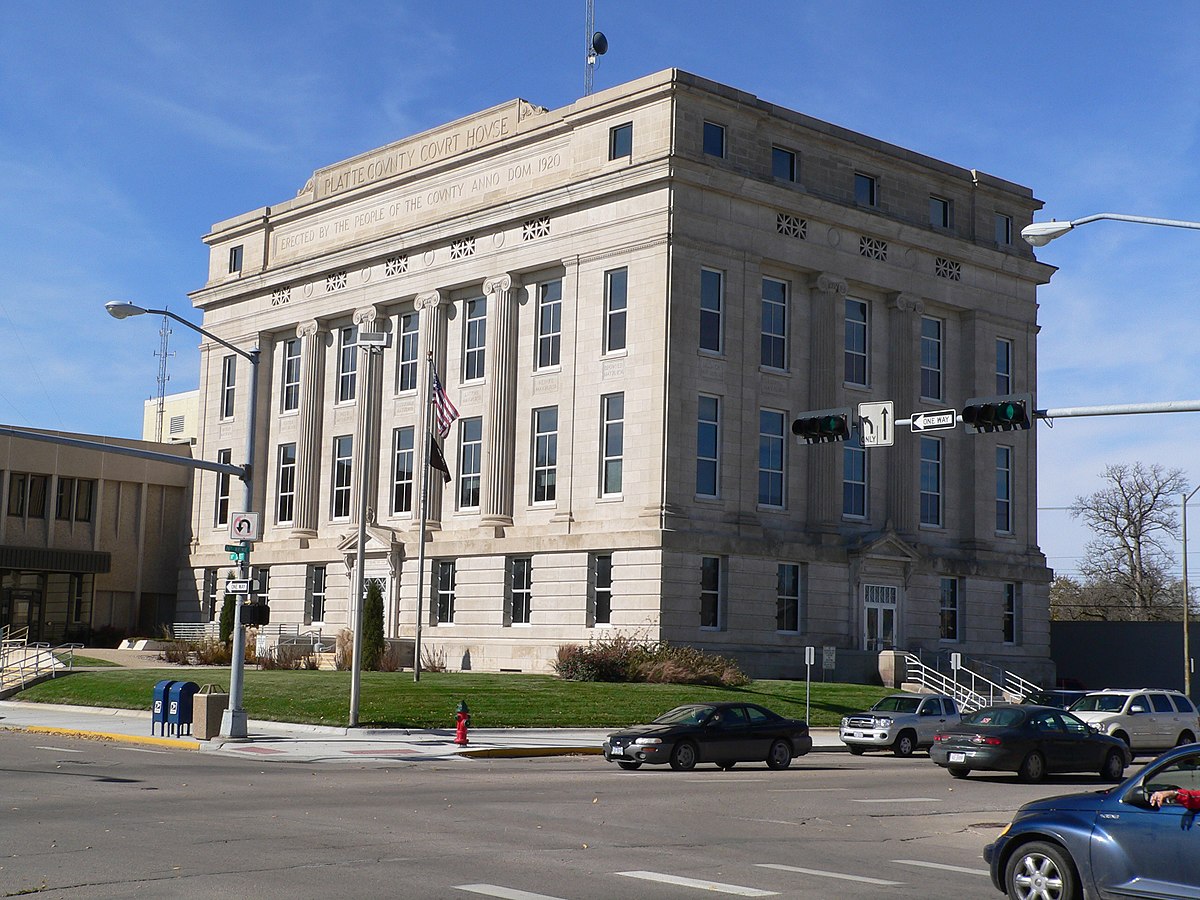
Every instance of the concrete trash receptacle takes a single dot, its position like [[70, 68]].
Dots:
[[208, 706]]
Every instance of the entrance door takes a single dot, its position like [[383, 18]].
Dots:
[[27, 611], [879, 616]]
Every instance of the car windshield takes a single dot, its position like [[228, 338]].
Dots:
[[897, 704], [996, 718], [684, 715], [1099, 703]]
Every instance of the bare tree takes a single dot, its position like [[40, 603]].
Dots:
[[1134, 521]]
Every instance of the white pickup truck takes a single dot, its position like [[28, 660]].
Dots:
[[902, 722]]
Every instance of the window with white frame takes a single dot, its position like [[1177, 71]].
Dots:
[[939, 212], [708, 446], [1004, 229], [347, 363], [774, 324], [714, 139], [317, 589], [612, 443], [1012, 613], [402, 470], [1004, 361], [949, 611], [289, 399], [616, 287], [857, 343], [406, 358], [866, 190], [474, 339], [343, 471], [711, 309], [783, 164], [470, 461], [787, 597], [854, 480], [712, 612], [1004, 474], [602, 567], [545, 454], [285, 492], [221, 516], [549, 324], [228, 385], [521, 591], [771, 448], [931, 481], [931, 357], [444, 575], [212, 586]]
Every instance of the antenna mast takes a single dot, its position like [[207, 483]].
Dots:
[[597, 46], [164, 336]]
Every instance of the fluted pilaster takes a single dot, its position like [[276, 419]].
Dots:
[[432, 308], [499, 425], [308, 443], [366, 437], [825, 374], [904, 324]]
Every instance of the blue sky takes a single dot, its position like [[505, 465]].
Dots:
[[128, 128]]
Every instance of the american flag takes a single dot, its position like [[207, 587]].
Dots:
[[444, 412]]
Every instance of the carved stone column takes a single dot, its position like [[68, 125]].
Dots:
[[308, 440], [366, 438], [825, 375], [433, 309], [499, 424], [903, 469]]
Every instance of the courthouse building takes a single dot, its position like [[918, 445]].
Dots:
[[628, 300]]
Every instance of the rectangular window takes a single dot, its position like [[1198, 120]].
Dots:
[[854, 480], [212, 582], [444, 591], [620, 141], [1004, 523], [76, 598], [774, 324], [616, 287], [470, 461], [857, 343], [63, 505], [347, 363], [549, 324], [406, 377], [603, 589], [317, 588], [708, 446], [711, 312], [402, 470], [16, 494], [545, 454], [771, 445], [475, 339], [228, 385], [343, 471], [1004, 360], [521, 571], [783, 164], [711, 611], [866, 191], [1012, 611], [612, 443], [714, 139], [222, 500], [285, 505], [939, 212], [787, 597], [38, 486], [290, 398], [235, 259], [85, 490], [948, 612], [931, 358], [931, 481], [1003, 230]]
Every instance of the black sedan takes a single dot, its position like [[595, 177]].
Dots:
[[1028, 740], [721, 733]]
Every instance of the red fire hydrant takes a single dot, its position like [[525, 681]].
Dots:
[[462, 717]]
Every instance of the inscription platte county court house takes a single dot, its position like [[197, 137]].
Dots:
[[628, 300]]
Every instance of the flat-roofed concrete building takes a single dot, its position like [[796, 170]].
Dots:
[[628, 301]]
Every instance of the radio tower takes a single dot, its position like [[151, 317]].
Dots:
[[164, 337], [597, 45]]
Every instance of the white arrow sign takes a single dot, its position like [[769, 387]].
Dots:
[[937, 420], [877, 421]]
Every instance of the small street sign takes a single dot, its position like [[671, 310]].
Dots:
[[245, 526], [938, 420], [829, 657], [242, 586], [234, 548], [877, 423]]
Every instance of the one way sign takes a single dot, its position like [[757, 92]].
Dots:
[[937, 420]]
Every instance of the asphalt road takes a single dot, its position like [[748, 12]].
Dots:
[[83, 818]]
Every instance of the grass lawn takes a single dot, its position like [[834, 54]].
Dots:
[[393, 700], [78, 660]]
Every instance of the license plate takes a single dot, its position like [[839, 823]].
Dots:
[[616, 751], [856, 734], [958, 757]]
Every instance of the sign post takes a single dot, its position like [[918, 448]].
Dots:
[[810, 656]]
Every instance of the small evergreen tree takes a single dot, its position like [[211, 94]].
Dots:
[[227, 611], [373, 645]]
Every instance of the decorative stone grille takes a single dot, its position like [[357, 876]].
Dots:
[[947, 268], [395, 265], [462, 249], [791, 226], [280, 296], [535, 228], [335, 281], [872, 248]]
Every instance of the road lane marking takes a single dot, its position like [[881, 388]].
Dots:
[[60, 750], [495, 890], [842, 876], [948, 868], [898, 800], [763, 821], [725, 779], [716, 887], [143, 750], [803, 790]]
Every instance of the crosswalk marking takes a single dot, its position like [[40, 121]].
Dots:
[[823, 874], [495, 890], [948, 868], [716, 887]]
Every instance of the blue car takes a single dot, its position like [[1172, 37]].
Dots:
[[1106, 844]]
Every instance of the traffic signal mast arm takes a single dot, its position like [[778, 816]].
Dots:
[[1114, 409]]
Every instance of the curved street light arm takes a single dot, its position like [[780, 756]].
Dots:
[[1041, 233]]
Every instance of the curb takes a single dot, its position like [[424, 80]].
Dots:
[[522, 752], [173, 743]]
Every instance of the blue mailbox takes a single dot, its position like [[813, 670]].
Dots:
[[158, 709], [180, 698]]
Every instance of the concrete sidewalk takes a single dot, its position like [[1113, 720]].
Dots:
[[283, 742]]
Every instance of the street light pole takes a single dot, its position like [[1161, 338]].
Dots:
[[1187, 654], [233, 721]]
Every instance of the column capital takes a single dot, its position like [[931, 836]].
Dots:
[[828, 283], [501, 283], [365, 315], [907, 303], [428, 300], [308, 329]]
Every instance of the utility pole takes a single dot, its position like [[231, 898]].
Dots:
[[164, 336]]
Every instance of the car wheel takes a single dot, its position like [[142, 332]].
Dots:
[[856, 749], [1033, 769], [1041, 871], [683, 757], [1114, 766], [780, 756], [905, 744], [629, 764], [959, 772], [1185, 738], [727, 764], [1122, 736]]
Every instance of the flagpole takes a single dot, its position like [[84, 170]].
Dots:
[[426, 438]]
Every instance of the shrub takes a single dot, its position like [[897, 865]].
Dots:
[[288, 656], [227, 613], [622, 658], [178, 653], [343, 652], [393, 658], [613, 658], [210, 652], [373, 644], [433, 659]]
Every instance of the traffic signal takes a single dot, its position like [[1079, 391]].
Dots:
[[256, 614], [823, 425], [1010, 412]]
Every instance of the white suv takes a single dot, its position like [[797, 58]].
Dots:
[[902, 722], [1144, 718]]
